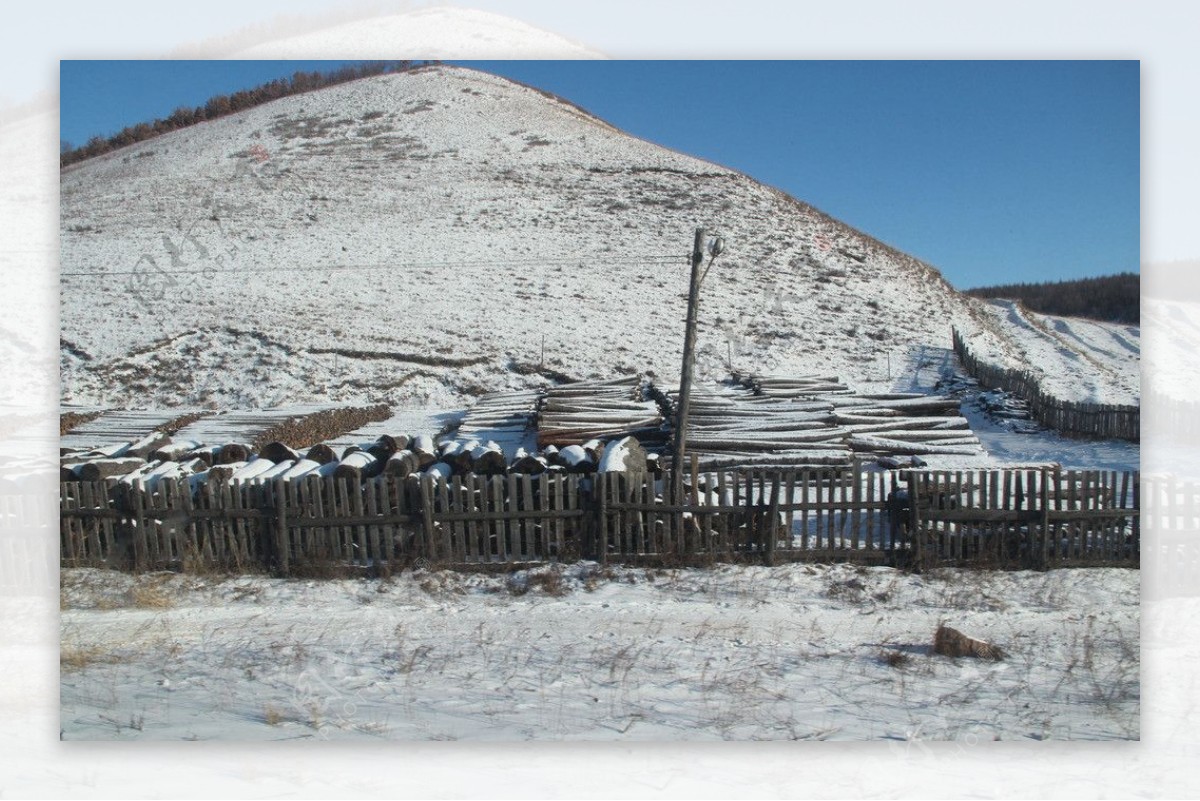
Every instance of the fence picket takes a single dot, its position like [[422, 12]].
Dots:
[[1026, 517]]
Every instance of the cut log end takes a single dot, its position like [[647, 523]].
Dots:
[[953, 643]]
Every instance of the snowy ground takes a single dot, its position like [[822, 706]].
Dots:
[[732, 653], [1074, 359], [1007, 442]]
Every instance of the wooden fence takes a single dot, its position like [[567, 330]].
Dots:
[[1030, 518], [1089, 419], [999, 517], [1172, 419]]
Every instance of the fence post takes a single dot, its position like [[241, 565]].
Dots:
[[1045, 500], [600, 533], [915, 540], [282, 557], [427, 517], [1137, 517], [773, 525], [126, 506]]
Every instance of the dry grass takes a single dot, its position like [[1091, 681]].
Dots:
[[272, 716], [71, 420], [72, 658], [549, 582], [151, 593]]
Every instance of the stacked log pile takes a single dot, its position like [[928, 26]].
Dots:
[[104, 449], [115, 431], [506, 418], [735, 428], [248, 426], [574, 413], [817, 421]]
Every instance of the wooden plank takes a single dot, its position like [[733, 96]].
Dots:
[[355, 491], [872, 521], [244, 530], [496, 498], [282, 564], [347, 544], [749, 516], [253, 528], [916, 540], [601, 490], [520, 527], [336, 511], [231, 525], [790, 514], [95, 548], [805, 481], [1111, 480], [189, 531], [447, 547], [655, 523], [574, 535], [173, 525], [480, 531], [773, 522], [1136, 483], [451, 500], [548, 544], [428, 547], [67, 522], [1049, 497], [1124, 504], [719, 522], [249, 529], [317, 541], [259, 534], [373, 556], [462, 503], [645, 494], [832, 502], [107, 539]]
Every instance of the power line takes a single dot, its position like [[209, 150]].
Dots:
[[651, 259]]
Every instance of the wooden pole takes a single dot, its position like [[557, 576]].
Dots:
[[689, 358]]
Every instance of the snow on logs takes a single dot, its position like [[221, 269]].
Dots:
[[817, 420], [402, 464], [276, 460], [573, 413], [357, 466]]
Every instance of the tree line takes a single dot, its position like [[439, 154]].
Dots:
[[223, 105], [1110, 298]]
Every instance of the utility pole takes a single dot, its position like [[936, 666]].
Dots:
[[689, 359]]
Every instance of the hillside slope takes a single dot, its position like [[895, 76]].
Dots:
[[422, 237]]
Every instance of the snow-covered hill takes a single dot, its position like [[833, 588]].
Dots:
[[1074, 359], [423, 237]]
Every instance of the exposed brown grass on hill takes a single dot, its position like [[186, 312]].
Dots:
[[302, 432]]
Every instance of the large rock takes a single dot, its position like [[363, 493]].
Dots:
[[623, 456]]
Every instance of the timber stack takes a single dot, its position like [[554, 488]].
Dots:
[[571, 414], [770, 421]]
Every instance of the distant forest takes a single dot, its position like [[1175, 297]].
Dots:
[[223, 105], [1111, 298]]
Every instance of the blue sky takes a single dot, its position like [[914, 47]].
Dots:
[[992, 171]]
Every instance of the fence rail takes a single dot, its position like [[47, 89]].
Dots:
[[1003, 518], [1091, 419]]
